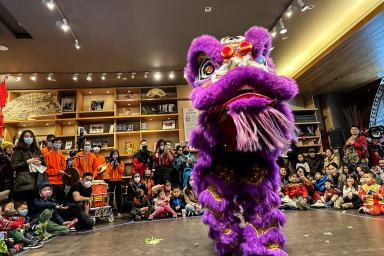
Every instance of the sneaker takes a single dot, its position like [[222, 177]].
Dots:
[[119, 216], [329, 204], [361, 210], [72, 227], [347, 206], [33, 245], [318, 204]]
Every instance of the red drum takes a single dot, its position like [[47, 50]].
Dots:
[[99, 193]]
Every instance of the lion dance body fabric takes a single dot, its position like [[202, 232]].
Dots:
[[244, 125]]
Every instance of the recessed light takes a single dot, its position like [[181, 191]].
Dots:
[[129, 104], [3, 48], [133, 75], [75, 77], [89, 77], [208, 9], [157, 76], [33, 77], [90, 92], [119, 75], [146, 75], [124, 78], [50, 77], [50, 4], [169, 118], [107, 91], [46, 124], [18, 77], [171, 75], [150, 119], [69, 123], [103, 76], [24, 125], [77, 44]]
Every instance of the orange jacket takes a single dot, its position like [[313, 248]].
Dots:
[[100, 159], [45, 150], [55, 161], [366, 192], [86, 163], [115, 174]]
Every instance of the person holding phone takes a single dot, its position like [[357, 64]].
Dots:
[[162, 160]]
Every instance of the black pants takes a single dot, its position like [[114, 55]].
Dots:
[[25, 195], [76, 210], [162, 175], [58, 193], [115, 191], [356, 201]]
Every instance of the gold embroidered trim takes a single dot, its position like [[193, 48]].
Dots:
[[227, 231], [212, 189], [261, 231]]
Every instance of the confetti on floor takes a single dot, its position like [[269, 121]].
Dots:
[[350, 227], [197, 244], [152, 240], [344, 212], [327, 233], [327, 241], [306, 235]]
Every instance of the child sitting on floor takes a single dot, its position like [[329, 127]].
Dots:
[[301, 162], [177, 200], [372, 195], [12, 224], [162, 207], [306, 180], [297, 194], [319, 185], [193, 207], [141, 207], [8, 245], [327, 200], [350, 198]]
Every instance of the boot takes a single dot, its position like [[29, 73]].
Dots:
[[338, 203], [347, 206]]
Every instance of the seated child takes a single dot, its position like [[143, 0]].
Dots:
[[162, 207], [47, 212], [296, 194], [350, 198], [7, 245], [319, 185], [12, 224], [193, 207], [141, 206], [167, 188], [331, 194], [177, 200], [372, 195], [307, 181]]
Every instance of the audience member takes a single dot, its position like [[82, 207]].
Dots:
[[162, 207], [297, 194], [102, 173], [330, 157], [372, 195], [162, 159], [337, 178], [85, 161], [193, 207], [331, 194], [355, 149], [141, 207], [6, 173], [48, 146], [141, 159], [115, 170], [319, 186], [301, 162], [350, 197], [315, 162], [177, 200]]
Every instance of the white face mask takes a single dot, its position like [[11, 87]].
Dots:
[[87, 184], [96, 149], [87, 148]]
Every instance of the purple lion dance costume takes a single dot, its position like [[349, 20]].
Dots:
[[244, 125]]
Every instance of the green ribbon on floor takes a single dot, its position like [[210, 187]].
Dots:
[[152, 240]]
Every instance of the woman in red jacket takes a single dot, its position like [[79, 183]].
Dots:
[[355, 149], [115, 170]]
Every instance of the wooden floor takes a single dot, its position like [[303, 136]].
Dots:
[[314, 232]]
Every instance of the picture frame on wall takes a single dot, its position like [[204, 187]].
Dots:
[[169, 124], [96, 128], [97, 105], [127, 111], [68, 145], [68, 104]]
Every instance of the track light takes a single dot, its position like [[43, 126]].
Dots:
[[75, 77], [33, 77], [119, 75], [77, 44], [103, 76], [273, 33], [305, 7], [89, 77], [50, 4], [146, 75], [283, 30], [289, 12], [171, 75], [133, 75], [63, 24], [157, 76], [50, 77], [18, 77]]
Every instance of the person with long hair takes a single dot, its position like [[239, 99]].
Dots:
[[26, 152], [350, 197], [193, 207], [115, 170], [162, 162]]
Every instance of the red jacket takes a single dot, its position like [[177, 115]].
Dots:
[[138, 167], [294, 190], [360, 146], [7, 224]]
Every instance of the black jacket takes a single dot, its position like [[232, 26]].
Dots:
[[41, 204]]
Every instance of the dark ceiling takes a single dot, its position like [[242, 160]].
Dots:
[[356, 62], [120, 36]]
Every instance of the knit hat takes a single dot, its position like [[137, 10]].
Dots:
[[311, 150], [6, 144]]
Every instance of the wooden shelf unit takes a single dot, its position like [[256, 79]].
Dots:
[[122, 106]]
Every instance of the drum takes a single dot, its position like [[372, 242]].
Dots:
[[99, 193], [71, 176]]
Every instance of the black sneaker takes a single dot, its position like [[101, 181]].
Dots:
[[33, 245]]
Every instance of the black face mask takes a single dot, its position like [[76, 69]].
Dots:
[[144, 147], [185, 152]]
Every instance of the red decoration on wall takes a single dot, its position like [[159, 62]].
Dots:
[[3, 101]]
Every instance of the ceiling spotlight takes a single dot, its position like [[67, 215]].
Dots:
[[171, 75], [133, 75], [103, 76], [289, 12], [208, 9], [50, 4], [273, 33], [119, 75], [283, 30], [63, 24], [50, 77], [305, 7], [146, 75], [77, 44], [89, 77], [3, 48], [75, 77], [18, 77], [157, 76], [33, 77]]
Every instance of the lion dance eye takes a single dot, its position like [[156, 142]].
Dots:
[[206, 69], [245, 47], [227, 52]]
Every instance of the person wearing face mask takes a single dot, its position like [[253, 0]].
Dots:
[[177, 173], [56, 164], [85, 161], [48, 148], [78, 202], [26, 152], [101, 164], [6, 172], [141, 159], [115, 170], [162, 160]]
